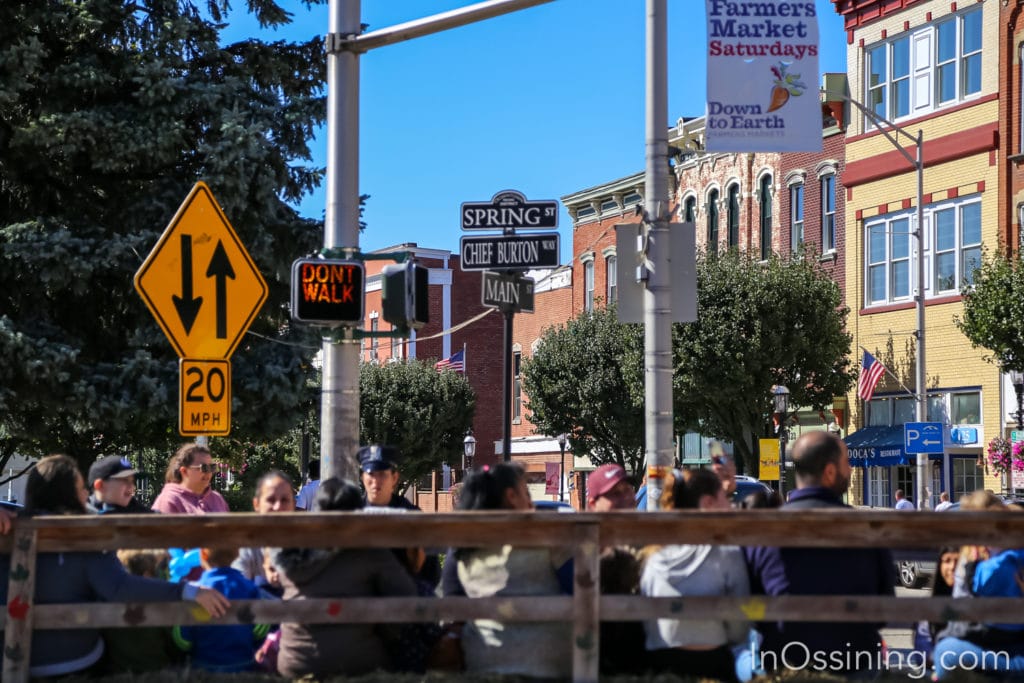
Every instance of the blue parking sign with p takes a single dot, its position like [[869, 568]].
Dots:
[[922, 437]]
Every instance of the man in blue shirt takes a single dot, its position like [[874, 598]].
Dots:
[[822, 477]]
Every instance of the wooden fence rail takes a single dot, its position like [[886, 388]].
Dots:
[[584, 533]]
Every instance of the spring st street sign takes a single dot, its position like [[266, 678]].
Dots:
[[199, 281]]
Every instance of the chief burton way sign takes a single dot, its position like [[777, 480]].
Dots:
[[509, 252], [510, 210]]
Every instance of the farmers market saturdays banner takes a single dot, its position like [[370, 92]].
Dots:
[[762, 76]]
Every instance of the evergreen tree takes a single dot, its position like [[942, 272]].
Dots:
[[109, 112]]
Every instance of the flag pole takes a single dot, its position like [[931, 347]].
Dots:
[[465, 363], [888, 372]]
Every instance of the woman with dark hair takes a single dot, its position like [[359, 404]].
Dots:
[[274, 493], [699, 648], [323, 650], [55, 487], [541, 650], [187, 484]]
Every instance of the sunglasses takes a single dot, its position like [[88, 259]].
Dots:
[[718, 460], [204, 468]]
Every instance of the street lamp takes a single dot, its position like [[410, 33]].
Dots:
[[562, 438], [1017, 378], [780, 395], [468, 451]]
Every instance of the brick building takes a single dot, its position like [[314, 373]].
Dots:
[[926, 65]]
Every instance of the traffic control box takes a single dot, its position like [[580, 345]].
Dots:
[[328, 291], [404, 295]]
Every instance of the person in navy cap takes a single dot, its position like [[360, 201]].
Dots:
[[378, 467], [113, 486]]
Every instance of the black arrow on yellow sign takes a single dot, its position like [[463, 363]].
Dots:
[[220, 269], [187, 305]]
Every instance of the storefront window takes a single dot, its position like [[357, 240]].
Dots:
[[878, 486], [965, 409], [967, 477]]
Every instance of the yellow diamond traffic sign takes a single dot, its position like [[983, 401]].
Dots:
[[199, 281]]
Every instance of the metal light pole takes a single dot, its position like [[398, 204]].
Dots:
[[892, 132], [339, 407], [781, 398], [657, 296], [561, 464]]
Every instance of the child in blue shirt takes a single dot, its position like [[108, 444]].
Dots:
[[229, 648]]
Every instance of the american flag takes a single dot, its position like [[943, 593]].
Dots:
[[871, 371], [454, 362]]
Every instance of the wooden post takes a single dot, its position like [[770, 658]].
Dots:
[[586, 603], [21, 588]]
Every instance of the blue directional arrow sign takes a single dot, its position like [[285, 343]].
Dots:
[[922, 437]]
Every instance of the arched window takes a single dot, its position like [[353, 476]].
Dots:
[[734, 215], [611, 280], [766, 216], [690, 209], [713, 222]]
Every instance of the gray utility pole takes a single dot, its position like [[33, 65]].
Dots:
[[339, 408], [892, 132], [655, 232]]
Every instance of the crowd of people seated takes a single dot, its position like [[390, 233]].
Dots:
[[727, 650]]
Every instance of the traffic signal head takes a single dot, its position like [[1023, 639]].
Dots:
[[404, 295], [328, 291]]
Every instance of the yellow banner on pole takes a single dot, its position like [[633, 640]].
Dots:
[[768, 452]]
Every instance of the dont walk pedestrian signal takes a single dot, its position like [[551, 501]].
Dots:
[[328, 291]]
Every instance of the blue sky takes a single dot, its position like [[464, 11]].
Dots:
[[547, 100]]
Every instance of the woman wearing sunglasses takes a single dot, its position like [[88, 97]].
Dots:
[[187, 489]]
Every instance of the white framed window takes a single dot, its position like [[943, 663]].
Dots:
[[713, 221], [957, 241], [878, 487], [932, 66], [967, 476], [796, 215], [828, 213], [766, 216], [690, 209], [374, 341], [588, 286], [734, 215], [611, 279], [952, 252]]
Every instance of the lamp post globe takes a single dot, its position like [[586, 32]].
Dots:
[[468, 451], [1017, 379], [561, 439], [780, 397]]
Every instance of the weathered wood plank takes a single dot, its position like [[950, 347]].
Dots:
[[19, 611], [586, 603], [542, 609], [809, 528]]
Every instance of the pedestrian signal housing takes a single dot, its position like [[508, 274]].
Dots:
[[404, 292], [328, 291]]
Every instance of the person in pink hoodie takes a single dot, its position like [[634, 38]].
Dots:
[[187, 489]]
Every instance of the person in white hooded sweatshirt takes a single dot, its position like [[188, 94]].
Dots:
[[697, 648]]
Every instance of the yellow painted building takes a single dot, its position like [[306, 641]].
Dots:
[[928, 66]]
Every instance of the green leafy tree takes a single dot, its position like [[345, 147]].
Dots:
[[422, 412], [586, 380], [759, 324], [109, 113], [993, 316]]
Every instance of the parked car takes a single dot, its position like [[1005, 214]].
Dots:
[[746, 485], [552, 506]]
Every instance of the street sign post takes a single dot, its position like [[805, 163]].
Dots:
[[509, 252], [204, 408], [507, 292], [199, 282], [922, 437], [510, 210]]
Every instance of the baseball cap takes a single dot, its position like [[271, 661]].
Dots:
[[377, 458], [604, 479], [110, 467]]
